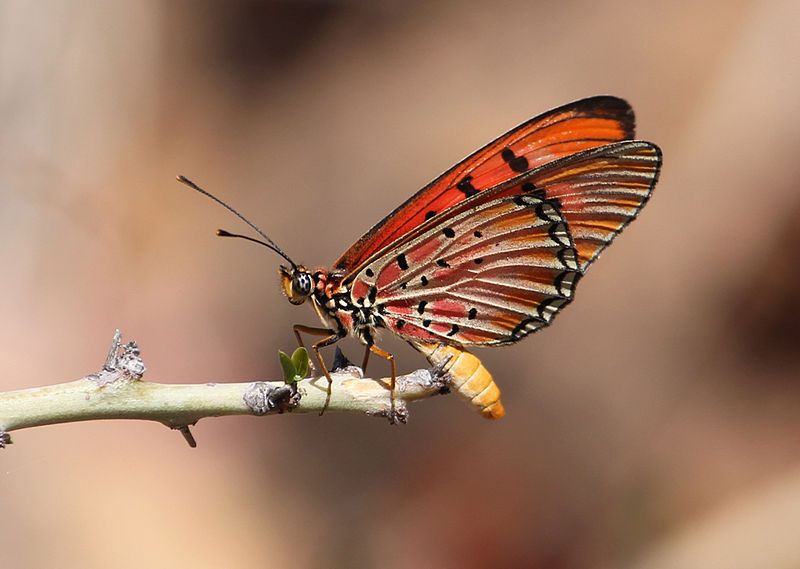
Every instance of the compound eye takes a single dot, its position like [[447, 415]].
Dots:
[[302, 284]]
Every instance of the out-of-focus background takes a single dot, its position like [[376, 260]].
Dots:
[[654, 426]]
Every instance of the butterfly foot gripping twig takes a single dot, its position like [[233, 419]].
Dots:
[[262, 398], [396, 414], [440, 375]]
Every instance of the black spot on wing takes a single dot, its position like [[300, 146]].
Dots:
[[424, 280], [429, 215], [453, 330], [448, 232], [421, 307], [442, 263], [473, 312], [465, 185], [402, 262], [517, 163], [369, 273]]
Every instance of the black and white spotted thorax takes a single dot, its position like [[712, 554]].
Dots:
[[338, 309]]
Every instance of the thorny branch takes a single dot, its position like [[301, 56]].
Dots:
[[117, 391]]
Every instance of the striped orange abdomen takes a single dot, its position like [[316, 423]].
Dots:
[[470, 379]]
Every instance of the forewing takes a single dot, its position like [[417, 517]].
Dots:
[[564, 131], [489, 275]]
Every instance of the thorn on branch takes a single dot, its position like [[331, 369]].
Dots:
[[262, 398], [187, 435], [340, 361]]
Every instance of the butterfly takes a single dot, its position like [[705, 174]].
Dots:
[[487, 253]]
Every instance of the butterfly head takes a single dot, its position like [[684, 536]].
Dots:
[[297, 283]]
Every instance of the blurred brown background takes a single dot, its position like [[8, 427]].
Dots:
[[654, 426]]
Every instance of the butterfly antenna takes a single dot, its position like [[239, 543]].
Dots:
[[222, 233]]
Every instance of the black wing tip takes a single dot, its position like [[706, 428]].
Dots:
[[608, 105]]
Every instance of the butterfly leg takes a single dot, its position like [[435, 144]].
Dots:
[[390, 358], [331, 337], [311, 331], [365, 361]]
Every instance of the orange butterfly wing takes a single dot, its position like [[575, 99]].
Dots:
[[503, 263], [561, 132]]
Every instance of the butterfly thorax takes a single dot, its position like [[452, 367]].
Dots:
[[337, 309]]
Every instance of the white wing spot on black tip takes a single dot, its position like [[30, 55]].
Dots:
[[558, 233], [526, 327], [568, 258], [549, 306], [565, 283], [546, 212]]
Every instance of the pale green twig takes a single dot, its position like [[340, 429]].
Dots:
[[118, 392]]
